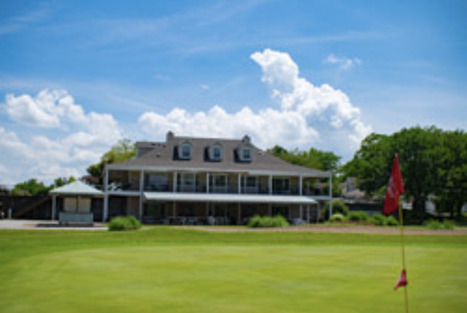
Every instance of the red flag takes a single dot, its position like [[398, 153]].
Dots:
[[402, 282], [394, 190]]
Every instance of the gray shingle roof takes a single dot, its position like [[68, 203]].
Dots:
[[164, 155], [76, 188]]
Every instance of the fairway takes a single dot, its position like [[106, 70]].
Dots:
[[168, 270]]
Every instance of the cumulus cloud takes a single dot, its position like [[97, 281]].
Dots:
[[45, 110], [81, 140], [306, 115], [343, 63]]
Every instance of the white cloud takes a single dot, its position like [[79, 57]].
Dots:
[[81, 140], [307, 116], [343, 63], [45, 110]]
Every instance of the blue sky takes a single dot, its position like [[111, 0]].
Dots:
[[75, 76]]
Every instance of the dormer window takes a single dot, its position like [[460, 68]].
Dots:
[[245, 154], [184, 151], [215, 152]]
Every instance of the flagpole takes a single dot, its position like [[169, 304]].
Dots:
[[403, 254]]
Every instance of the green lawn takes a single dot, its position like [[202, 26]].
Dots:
[[163, 269]]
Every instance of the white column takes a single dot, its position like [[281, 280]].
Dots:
[[54, 206], [330, 194], [239, 183], [141, 190], [175, 182], [105, 213]]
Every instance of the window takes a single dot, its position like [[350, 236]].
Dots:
[[185, 151], [216, 153], [188, 182], [218, 182], [246, 154], [250, 184], [281, 185], [158, 182]]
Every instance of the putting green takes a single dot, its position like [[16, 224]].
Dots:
[[235, 278]]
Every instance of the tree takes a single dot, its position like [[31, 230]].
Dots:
[[417, 148], [62, 181], [313, 158], [371, 164], [451, 157], [433, 163], [122, 151], [30, 187]]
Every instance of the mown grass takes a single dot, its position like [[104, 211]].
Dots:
[[164, 269]]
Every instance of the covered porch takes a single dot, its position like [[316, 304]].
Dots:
[[223, 209]]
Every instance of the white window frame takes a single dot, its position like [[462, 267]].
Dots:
[[242, 154], [185, 147], [190, 178], [213, 185], [247, 187], [212, 154]]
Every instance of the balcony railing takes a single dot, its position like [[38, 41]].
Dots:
[[260, 189]]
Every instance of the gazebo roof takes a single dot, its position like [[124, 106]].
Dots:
[[76, 188]]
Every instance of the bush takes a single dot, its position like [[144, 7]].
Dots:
[[267, 221], [337, 207], [435, 224], [124, 223], [337, 218], [358, 216], [379, 220], [448, 224], [391, 221]]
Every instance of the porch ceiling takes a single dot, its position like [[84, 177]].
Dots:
[[227, 198]]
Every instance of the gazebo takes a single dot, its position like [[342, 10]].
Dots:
[[76, 203]]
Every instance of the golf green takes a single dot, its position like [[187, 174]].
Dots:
[[132, 273]]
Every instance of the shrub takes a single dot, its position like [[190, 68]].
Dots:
[[433, 224], [337, 207], [267, 221], [358, 216], [337, 218], [379, 220], [124, 223], [391, 221], [448, 224]]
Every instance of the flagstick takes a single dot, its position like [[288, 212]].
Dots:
[[403, 254]]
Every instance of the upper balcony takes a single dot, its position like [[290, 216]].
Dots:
[[203, 182]]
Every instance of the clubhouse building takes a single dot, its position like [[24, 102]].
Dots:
[[187, 180]]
